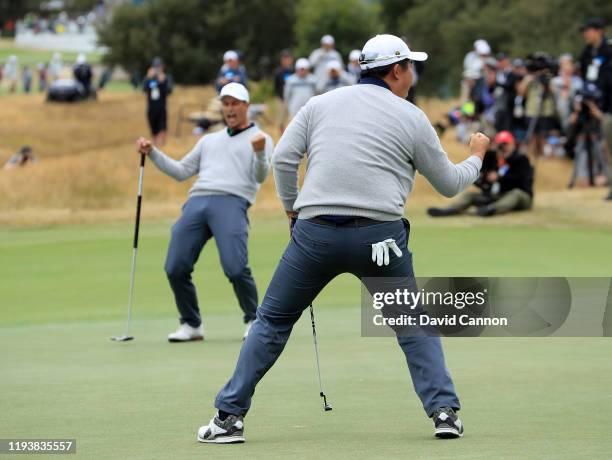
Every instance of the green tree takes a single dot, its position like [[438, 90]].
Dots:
[[447, 30], [192, 35], [351, 22]]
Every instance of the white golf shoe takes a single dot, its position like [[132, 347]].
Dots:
[[247, 329], [186, 333], [228, 431]]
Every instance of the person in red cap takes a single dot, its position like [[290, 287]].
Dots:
[[506, 183]]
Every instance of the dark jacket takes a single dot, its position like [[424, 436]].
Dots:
[[603, 53], [157, 93], [280, 76], [519, 174]]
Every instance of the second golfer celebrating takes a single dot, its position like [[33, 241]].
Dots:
[[365, 143], [230, 165]]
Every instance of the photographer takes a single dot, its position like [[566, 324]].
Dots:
[[158, 86], [585, 127], [540, 108], [596, 68], [506, 183]]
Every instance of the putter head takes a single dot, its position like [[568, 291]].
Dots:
[[123, 338], [328, 407]]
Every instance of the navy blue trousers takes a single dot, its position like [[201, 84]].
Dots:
[[223, 217], [316, 254]]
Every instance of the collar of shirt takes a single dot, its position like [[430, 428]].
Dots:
[[374, 81], [232, 132]]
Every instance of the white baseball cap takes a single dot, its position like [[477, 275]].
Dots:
[[354, 55], [327, 40], [482, 47], [231, 54], [387, 49], [302, 63], [235, 90]]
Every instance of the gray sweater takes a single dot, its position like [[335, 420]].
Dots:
[[225, 164], [364, 146], [298, 91]]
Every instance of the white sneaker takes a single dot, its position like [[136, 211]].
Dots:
[[186, 333], [228, 431], [247, 329]]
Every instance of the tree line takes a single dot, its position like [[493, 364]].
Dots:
[[191, 35]]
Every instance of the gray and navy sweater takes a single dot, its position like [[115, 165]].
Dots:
[[224, 162], [364, 147]]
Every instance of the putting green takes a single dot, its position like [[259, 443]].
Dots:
[[64, 292]]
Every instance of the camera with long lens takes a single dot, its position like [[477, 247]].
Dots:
[[589, 93], [542, 65]]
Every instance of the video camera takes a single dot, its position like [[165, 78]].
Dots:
[[542, 65], [589, 93]]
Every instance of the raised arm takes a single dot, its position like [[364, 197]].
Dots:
[[262, 150], [448, 178], [287, 157], [180, 170]]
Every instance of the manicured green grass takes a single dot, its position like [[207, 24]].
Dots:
[[64, 292]]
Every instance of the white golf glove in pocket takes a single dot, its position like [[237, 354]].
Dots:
[[380, 251]]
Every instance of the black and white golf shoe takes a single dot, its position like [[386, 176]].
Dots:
[[447, 423], [228, 431]]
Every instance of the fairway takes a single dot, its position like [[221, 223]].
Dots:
[[64, 293]]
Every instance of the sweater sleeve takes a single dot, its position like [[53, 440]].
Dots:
[[431, 160], [288, 155], [262, 161], [182, 169]]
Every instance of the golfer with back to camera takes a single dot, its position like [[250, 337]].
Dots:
[[230, 164], [365, 143]]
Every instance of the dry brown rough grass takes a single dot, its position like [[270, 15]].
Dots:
[[87, 168]]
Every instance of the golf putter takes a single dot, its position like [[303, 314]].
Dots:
[[326, 406], [127, 337]]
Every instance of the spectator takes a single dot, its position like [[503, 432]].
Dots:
[[281, 75], [482, 94], [473, 64], [55, 66], [135, 79], [336, 77], [83, 74], [353, 66], [565, 86], [26, 79], [21, 158], [105, 77], [584, 128], [10, 72], [42, 76], [519, 122], [596, 67], [540, 109], [157, 86], [320, 57], [231, 71], [506, 184], [504, 93], [300, 87], [283, 72]]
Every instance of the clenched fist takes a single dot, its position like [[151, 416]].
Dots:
[[258, 142], [479, 143], [144, 146]]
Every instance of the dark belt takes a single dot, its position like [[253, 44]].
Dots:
[[333, 221]]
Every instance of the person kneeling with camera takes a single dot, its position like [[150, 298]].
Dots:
[[505, 183]]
